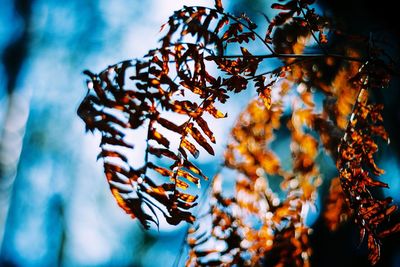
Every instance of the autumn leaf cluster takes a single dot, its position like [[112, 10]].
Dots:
[[321, 98]]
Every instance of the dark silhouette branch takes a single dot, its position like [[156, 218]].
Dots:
[[342, 57]]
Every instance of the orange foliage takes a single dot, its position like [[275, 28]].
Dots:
[[255, 225]]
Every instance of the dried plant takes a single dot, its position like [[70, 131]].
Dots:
[[256, 225]]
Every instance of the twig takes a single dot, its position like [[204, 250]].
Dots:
[[357, 59]]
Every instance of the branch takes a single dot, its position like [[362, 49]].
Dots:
[[347, 58]]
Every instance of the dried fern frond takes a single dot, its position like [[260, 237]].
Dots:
[[171, 95], [357, 166], [117, 105], [172, 79], [143, 93]]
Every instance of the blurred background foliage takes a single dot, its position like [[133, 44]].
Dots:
[[55, 206]]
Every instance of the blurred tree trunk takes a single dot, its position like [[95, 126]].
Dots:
[[16, 113]]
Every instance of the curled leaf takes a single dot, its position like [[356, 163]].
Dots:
[[190, 147], [196, 134]]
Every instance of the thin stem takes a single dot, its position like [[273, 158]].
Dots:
[[149, 128], [357, 59], [146, 153], [277, 69]]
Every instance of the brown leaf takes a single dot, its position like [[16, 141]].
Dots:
[[233, 30], [245, 52], [191, 167], [154, 82], [169, 125], [394, 229], [113, 154], [192, 87], [223, 21], [190, 147], [288, 6], [195, 133], [181, 184], [121, 202], [242, 37], [323, 38], [204, 126], [374, 250], [188, 176], [160, 170], [218, 5], [278, 20], [158, 137], [215, 112], [184, 107], [186, 197], [114, 141], [237, 83], [178, 215], [371, 182], [162, 152], [110, 167], [135, 206], [266, 97]]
